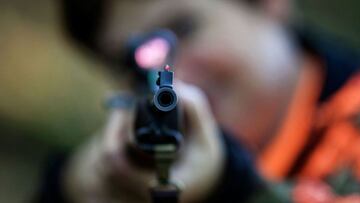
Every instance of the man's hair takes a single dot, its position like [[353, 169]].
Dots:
[[82, 20]]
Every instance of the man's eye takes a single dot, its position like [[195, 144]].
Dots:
[[183, 26]]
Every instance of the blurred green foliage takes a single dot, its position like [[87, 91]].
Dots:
[[340, 18], [47, 87], [50, 94]]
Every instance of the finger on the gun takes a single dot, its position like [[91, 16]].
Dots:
[[118, 129], [197, 110]]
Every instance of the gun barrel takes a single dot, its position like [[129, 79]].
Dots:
[[165, 99], [157, 132]]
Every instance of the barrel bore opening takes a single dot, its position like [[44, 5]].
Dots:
[[165, 99]]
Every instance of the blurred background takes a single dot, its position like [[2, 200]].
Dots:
[[51, 94]]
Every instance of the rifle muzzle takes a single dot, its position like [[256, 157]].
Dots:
[[165, 99]]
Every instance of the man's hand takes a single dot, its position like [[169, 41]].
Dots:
[[101, 172]]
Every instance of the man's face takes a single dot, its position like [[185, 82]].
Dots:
[[241, 59]]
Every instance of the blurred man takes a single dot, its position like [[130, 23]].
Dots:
[[260, 86], [211, 164]]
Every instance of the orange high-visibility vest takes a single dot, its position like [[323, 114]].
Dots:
[[314, 140]]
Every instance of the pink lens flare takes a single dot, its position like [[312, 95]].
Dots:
[[152, 54]]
